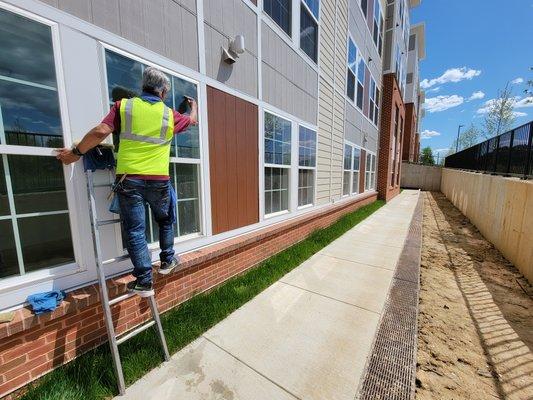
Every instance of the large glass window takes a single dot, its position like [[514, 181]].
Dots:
[[347, 170], [352, 69], [360, 82], [370, 171], [277, 163], [377, 33], [124, 77], [364, 7], [309, 28], [280, 12], [372, 99], [356, 169], [307, 166], [34, 222]]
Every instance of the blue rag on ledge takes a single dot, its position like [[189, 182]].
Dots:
[[46, 302]]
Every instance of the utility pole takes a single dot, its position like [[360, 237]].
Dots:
[[457, 143]]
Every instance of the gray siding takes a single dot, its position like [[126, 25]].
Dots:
[[331, 105], [223, 21], [167, 27], [289, 83]]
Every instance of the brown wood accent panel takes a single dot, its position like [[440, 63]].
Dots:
[[362, 170], [233, 161]]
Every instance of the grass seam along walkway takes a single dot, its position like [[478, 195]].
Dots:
[[91, 375]]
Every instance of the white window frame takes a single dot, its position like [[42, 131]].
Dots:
[[317, 20], [380, 26], [347, 171], [307, 167], [292, 40], [355, 190], [289, 167], [173, 160], [370, 174], [350, 70], [351, 170], [23, 285]]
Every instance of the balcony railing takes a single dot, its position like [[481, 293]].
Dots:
[[508, 154]]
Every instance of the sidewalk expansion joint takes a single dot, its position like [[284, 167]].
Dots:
[[252, 368], [356, 262], [327, 297]]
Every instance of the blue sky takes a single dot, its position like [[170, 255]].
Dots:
[[480, 44]]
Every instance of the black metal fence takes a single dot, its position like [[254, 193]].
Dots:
[[509, 154]]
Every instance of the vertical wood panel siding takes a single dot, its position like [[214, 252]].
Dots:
[[233, 138]]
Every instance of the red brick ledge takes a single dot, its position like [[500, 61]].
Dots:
[[84, 297]]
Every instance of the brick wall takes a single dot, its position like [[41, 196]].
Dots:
[[391, 99], [32, 346]]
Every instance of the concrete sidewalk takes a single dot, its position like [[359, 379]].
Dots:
[[307, 336]]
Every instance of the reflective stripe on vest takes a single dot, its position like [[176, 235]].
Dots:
[[129, 135], [146, 134]]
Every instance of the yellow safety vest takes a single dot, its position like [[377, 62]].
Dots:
[[146, 131]]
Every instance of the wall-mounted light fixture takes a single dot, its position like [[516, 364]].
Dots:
[[236, 47]]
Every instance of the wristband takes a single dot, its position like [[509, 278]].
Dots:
[[76, 151]]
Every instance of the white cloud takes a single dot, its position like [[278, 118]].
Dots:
[[476, 95], [441, 103], [518, 103], [427, 134], [486, 106], [519, 114], [525, 102], [442, 150], [517, 81], [451, 75], [434, 90]]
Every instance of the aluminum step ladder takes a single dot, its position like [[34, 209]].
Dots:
[[114, 339]]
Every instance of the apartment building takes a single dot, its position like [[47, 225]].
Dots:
[[414, 96], [290, 138]]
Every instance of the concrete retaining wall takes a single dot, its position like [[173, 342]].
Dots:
[[416, 176], [501, 208]]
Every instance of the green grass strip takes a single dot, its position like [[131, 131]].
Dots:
[[91, 376]]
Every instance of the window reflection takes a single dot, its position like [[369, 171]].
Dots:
[[38, 184], [8, 255], [45, 241], [4, 203], [30, 112], [185, 179], [26, 50], [28, 89]]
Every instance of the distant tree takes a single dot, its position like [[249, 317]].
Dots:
[[500, 115], [426, 157], [529, 90], [467, 139]]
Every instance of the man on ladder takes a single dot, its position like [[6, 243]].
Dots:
[[146, 127]]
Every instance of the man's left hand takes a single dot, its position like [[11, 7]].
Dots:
[[66, 156]]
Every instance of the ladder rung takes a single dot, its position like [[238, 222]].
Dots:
[[134, 332], [108, 222], [116, 259], [120, 298]]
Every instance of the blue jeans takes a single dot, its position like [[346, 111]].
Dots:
[[133, 194]]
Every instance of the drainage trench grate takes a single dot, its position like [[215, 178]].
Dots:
[[391, 367]]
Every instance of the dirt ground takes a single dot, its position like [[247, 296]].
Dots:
[[475, 338]]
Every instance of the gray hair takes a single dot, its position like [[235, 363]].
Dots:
[[155, 81]]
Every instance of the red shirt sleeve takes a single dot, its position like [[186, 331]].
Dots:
[[112, 119], [181, 122]]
